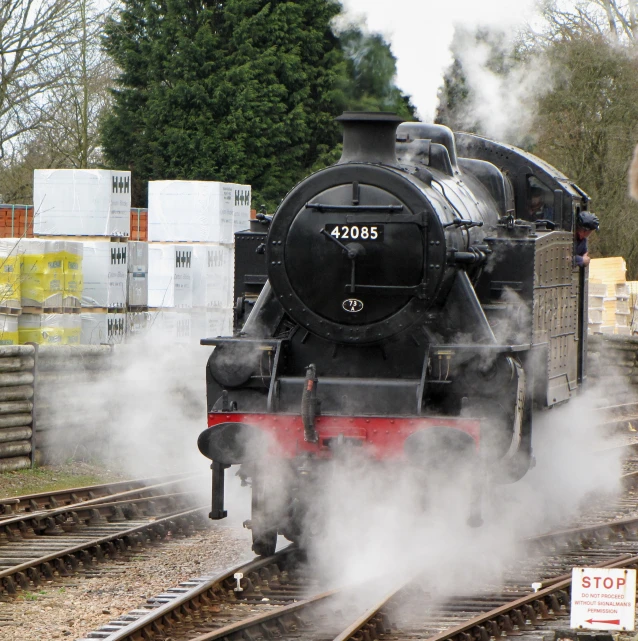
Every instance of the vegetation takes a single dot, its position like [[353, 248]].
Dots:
[[54, 86], [48, 478], [243, 91]]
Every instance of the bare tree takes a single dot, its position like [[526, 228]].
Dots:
[[33, 35], [71, 131], [614, 19]]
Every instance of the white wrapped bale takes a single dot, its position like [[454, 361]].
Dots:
[[82, 202]]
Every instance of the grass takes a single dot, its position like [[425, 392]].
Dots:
[[31, 596], [47, 478]]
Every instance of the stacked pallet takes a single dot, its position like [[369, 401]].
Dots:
[[51, 283], [91, 206], [191, 227], [180, 282], [608, 305]]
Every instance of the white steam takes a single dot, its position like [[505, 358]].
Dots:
[[388, 522], [420, 33], [503, 99]]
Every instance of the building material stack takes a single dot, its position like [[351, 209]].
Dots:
[[10, 292], [50, 273], [93, 207], [609, 309], [191, 227]]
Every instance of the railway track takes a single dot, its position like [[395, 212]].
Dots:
[[39, 544], [55, 534], [13, 506], [280, 599], [274, 599], [618, 417]]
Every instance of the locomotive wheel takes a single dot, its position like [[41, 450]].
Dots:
[[264, 531], [264, 542]]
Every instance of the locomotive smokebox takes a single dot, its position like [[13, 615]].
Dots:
[[233, 443], [369, 137]]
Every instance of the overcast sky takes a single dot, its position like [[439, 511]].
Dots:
[[420, 32]]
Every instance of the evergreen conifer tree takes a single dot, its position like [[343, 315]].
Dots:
[[242, 91], [238, 91]]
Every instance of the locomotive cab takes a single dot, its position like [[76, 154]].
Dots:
[[413, 309]]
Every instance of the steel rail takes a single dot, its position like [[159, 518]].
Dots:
[[31, 571], [35, 518], [204, 592], [26, 502], [545, 599]]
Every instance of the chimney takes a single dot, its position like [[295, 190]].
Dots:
[[369, 136]]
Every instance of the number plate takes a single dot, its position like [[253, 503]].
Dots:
[[350, 231]]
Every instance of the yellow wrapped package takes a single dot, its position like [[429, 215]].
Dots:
[[9, 273], [10, 295], [72, 256], [42, 273], [9, 329], [43, 329], [72, 329]]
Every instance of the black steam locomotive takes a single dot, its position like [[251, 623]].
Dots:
[[421, 298]]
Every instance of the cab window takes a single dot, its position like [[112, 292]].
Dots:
[[540, 200]]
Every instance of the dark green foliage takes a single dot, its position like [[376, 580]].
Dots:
[[371, 69], [454, 98], [241, 91]]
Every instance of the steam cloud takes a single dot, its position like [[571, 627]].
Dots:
[[370, 519], [503, 104]]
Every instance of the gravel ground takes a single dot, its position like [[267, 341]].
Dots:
[[72, 607]]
